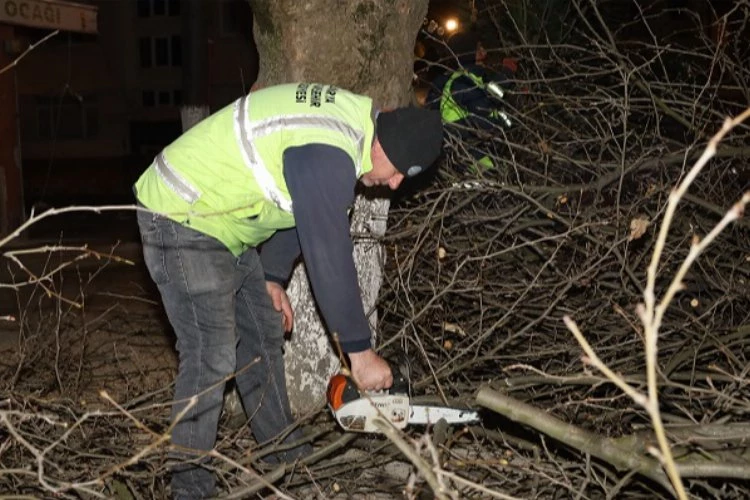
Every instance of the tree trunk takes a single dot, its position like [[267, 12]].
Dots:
[[361, 45]]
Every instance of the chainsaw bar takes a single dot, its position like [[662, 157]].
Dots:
[[429, 415], [359, 415]]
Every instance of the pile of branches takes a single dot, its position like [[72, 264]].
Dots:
[[490, 274], [484, 265]]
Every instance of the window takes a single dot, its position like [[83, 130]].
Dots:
[[143, 8], [154, 8], [67, 117], [144, 48], [160, 7], [164, 98], [160, 51], [177, 97], [148, 99], [176, 50]]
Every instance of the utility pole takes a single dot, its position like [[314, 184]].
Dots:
[[195, 63]]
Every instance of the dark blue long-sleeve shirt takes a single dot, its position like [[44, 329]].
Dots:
[[321, 181]]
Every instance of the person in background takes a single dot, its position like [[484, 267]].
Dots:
[[470, 95], [231, 204]]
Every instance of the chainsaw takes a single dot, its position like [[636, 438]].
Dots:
[[356, 412]]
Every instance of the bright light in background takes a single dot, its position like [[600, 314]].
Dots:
[[451, 25]]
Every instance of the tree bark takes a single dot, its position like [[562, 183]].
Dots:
[[712, 458], [607, 449], [365, 46]]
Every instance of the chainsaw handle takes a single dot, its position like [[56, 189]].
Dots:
[[342, 389], [400, 380]]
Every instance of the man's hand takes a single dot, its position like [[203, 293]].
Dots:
[[281, 303], [370, 371]]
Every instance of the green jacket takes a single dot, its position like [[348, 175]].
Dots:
[[450, 110], [224, 177]]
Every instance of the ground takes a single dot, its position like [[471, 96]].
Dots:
[[91, 350], [102, 314]]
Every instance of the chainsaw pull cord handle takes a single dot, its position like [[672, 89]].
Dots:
[[341, 390]]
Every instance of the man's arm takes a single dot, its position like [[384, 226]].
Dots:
[[321, 181], [278, 254], [477, 100]]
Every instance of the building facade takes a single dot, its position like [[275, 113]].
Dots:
[[93, 109], [15, 16]]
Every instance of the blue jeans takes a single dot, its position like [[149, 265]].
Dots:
[[224, 322]]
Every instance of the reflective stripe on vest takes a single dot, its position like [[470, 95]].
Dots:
[[252, 160], [246, 131], [174, 180], [277, 123]]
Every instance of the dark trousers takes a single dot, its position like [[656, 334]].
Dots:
[[224, 322]]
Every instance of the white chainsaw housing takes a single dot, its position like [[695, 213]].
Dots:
[[359, 415]]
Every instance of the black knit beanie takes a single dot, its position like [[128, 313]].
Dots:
[[411, 138]]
